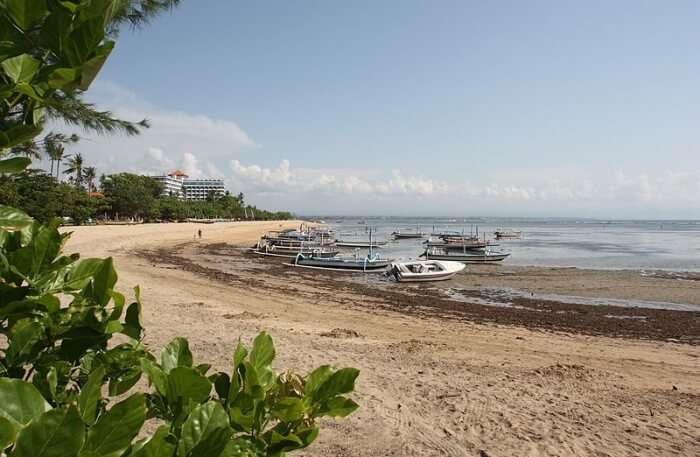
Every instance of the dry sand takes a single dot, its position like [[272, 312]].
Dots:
[[428, 385]]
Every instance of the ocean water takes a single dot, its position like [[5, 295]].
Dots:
[[597, 244]]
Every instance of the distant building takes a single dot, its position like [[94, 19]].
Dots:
[[178, 184], [200, 189], [172, 183]]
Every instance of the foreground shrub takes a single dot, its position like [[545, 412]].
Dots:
[[59, 374]]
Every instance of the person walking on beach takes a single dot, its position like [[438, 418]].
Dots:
[[199, 233]]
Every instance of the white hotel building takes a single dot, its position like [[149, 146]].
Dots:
[[178, 184]]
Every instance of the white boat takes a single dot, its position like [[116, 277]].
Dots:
[[481, 256], [425, 270], [367, 264], [291, 252]]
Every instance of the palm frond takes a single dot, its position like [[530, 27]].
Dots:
[[74, 111], [138, 12]]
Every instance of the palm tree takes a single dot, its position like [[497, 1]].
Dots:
[[89, 175], [54, 144], [75, 168], [56, 153], [28, 149]]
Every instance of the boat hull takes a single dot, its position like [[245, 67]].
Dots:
[[408, 236], [290, 254], [360, 265], [359, 244], [476, 258]]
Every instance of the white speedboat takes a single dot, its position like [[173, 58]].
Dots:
[[425, 270]]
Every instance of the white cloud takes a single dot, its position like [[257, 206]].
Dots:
[[176, 139], [284, 178], [548, 192]]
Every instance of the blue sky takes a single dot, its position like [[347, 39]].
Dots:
[[412, 107]]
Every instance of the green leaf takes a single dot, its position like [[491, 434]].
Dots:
[[283, 443], [20, 402], [338, 407], [116, 428], [340, 382], [124, 382], [26, 13], [25, 334], [63, 78], [157, 377], [21, 69], [80, 273], [161, 444], [56, 433], [288, 409], [316, 378], [12, 219], [47, 243], [205, 431], [14, 165], [93, 66], [222, 384], [30, 91], [132, 320], [187, 383], [90, 396], [241, 447], [176, 354], [83, 41], [18, 134], [307, 434], [104, 280], [239, 355], [8, 433], [55, 30], [263, 351]]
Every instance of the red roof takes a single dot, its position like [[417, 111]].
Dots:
[[177, 173]]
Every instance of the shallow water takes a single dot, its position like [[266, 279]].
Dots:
[[636, 245]]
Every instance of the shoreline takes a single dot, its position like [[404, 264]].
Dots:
[[427, 300]]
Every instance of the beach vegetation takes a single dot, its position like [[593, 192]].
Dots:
[[121, 196], [71, 346]]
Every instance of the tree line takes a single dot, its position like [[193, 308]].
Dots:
[[122, 196]]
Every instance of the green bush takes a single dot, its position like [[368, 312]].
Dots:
[[59, 313]]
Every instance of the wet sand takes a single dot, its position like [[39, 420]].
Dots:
[[439, 376]]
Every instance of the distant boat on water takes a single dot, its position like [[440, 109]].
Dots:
[[360, 244], [407, 234], [510, 233]]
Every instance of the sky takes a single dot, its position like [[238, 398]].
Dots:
[[464, 108]]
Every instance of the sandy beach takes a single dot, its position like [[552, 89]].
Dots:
[[439, 376]]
